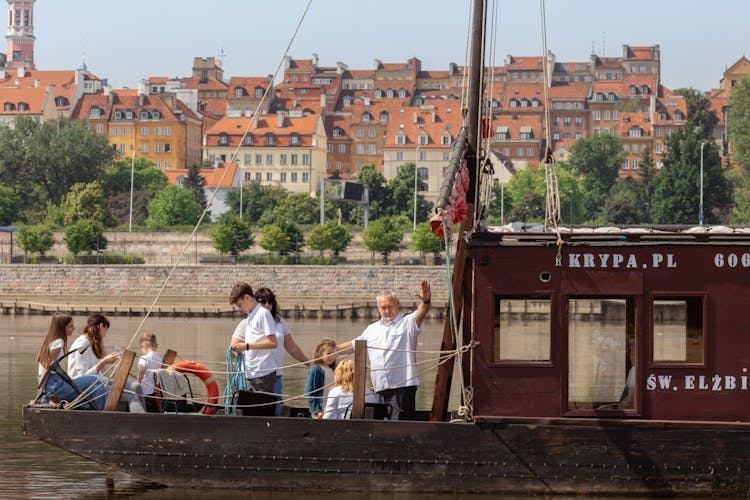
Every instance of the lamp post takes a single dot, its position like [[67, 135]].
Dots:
[[700, 206], [416, 177]]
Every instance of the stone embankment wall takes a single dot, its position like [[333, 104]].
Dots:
[[343, 283]]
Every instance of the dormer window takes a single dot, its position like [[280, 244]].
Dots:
[[535, 102], [445, 139], [514, 103], [181, 180], [400, 139], [347, 101], [366, 116], [22, 106], [389, 93], [678, 115], [9, 106], [155, 115], [418, 101], [378, 93], [612, 96], [494, 103], [259, 92], [270, 140], [645, 89], [599, 96], [294, 140], [239, 92], [633, 90], [145, 115], [423, 139], [524, 103], [663, 115], [526, 133], [118, 115], [402, 93], [384, 116], [248, 140], [223, 139], [61, 101], [128, 115], [635, 132]]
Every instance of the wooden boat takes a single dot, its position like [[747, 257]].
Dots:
[[599, 362]]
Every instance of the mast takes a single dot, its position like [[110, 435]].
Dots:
[[467, 144]]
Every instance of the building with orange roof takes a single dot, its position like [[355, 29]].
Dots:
[[339, 147], [20, 35], [245, 96], [423, 135], [156, 127], [286, 150], [218, 182], [38, 103]]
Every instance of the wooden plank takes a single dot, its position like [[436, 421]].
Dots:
[[445, 370], [360, 369], [169, 357], [119, 380]]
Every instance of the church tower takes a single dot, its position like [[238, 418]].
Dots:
[[20, 37]]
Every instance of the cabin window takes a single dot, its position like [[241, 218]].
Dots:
[[678, 335], [601, 336], [522, 331]]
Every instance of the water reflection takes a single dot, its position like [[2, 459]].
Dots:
[[31, 469]]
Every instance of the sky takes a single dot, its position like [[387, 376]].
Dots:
[[127, 42]]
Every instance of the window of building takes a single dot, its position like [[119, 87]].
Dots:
[[659, 147], [579, 120], [556, 120], [248, 159], [128, 115], [144, 131], [578, 135], [342, 148], [501, 134], [632, 90], [372, 149], [305, 159], [446, 156], [223, 139], [514, 102], [522, 330], [167, 130], [282, 159], [294, 159], [635, 132], [94, 111], [282, 177], [337, 132], [423, 156], [360, 132], [678, 115], [606, 115], [566, 120], [556, 136], [144, 147], [597, 115], [360, 149], [259, 159], [529, 152], [305, 177], [167, 148], [519, 152], [399, 156], [423, 139], [294, 140], [270, 140], [269, 159], [259, 92], [157, 148], [366, 116], [402, 93], [294, 177], [384, 116], [99, 128], [526, 133], [445, 139], [400, 138], [389, 93], [372, 132], [269, 176]]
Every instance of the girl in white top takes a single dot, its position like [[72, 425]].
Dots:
[[340, 398], [89, 359], [55, 343], [147, 365]]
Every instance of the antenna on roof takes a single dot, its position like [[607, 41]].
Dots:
[[83, 55], [222, 56], [604, 52]]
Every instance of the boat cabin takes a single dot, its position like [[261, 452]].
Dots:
[[621, 323]]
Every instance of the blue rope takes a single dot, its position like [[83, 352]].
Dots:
[[235, 379]]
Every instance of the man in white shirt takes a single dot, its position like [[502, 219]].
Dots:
[[257, 340], [391, 349]]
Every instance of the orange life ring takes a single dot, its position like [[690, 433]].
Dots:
[[200, 371]]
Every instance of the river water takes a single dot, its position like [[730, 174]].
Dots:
[[31, 469]]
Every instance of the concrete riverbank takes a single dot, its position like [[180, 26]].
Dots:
[[303, 291]]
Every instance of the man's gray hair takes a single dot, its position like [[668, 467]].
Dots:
[[387, 293]]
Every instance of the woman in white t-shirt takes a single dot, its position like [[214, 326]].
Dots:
[[147, 366], [340, 398], [57, 387]]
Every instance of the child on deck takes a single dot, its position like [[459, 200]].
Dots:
[[149, 362], [320, 377], [341, 396]]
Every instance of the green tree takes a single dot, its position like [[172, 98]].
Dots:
[[299, 207], [424, 241], [174, 206], [145, 176], [383, 236], [274, 239], [597, 159], [195, 183], [85, 236], [646, 184], [740, 184], [622, 206], [677, 187], [739, 118], [329, 236], [35, 239], [256, 200], [699, 113], [232, 235], [401, 188], [10, 205], [378, 191], [46, 159], [86, 201], [526, 194]]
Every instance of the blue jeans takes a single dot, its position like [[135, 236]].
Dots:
[[277, 388], [63, 391]]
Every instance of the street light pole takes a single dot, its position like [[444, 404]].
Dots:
[[132, 176], [416, 157], [700, 208]]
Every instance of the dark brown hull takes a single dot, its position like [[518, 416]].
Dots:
[[510, 456]]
